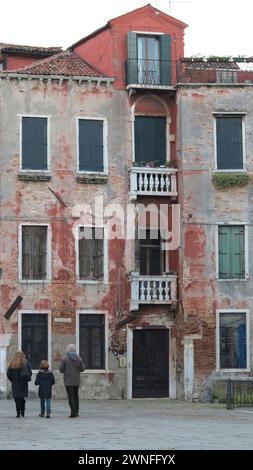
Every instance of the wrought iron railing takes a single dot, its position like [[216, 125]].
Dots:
[[239, 393], [150, 72]]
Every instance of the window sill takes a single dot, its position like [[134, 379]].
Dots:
[[244, 170], [233, 280], [34, 176], [34, 281], [92, 178], [233, 370], [90, 282]]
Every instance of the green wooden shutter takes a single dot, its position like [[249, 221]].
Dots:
[[229, 143], [237, 252], [34, 143], [27, 143], [165, 54], [224, 252], [91, 146], [132, 64], [150, 139]]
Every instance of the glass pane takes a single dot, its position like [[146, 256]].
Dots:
[[233, 341]]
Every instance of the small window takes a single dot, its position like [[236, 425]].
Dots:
[[229, 142], [92, 340], [34, 252], [231, 240], [34, 144], [233, 340], [150, 139], [34, 337], [91, 145], [91, 253]]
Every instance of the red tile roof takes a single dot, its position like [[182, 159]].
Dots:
[[30, 50], [66, 63]]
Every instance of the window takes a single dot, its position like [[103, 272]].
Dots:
[[229, 142], [231, 246], [151, 256], [34, 337], [34, 252], [232, 340], [150, 139], [91, 254], [92, 340], [149, 59], [92, 135], [34, 143]]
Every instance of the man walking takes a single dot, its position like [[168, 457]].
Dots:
[[71, 366]]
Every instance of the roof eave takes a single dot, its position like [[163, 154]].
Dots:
[[84, 78]]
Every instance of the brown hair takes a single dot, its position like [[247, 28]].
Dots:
[[44, 364], [18, 360]]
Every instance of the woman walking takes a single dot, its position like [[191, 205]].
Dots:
[[19, 373]]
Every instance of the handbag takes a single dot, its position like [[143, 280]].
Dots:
[[25, 374]]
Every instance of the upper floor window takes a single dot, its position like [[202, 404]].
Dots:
[[150, 139], [34, 253], [34, 151], [92, 256], [231, 241], [149, 256], [92, 145], [229, 142], [149, 59]]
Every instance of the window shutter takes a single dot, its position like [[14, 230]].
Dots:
[[27, 144], [150, 139], [165, 54], [40, 143], [85, 250], [224, 252], [132, 69], [229, 143], [34, 143], [26, 249], [237, 252], [98, 258], [91, 146]]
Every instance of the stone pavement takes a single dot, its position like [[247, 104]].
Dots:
[[160, 424]]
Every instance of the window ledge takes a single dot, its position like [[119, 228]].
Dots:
[[233, 280], [92, 282], [244, 170], [34, 281], [233, 370], [34, 176], [92, 178]]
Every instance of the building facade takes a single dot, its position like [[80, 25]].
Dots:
[[98, 142]]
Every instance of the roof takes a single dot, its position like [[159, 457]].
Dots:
[[67, 63], [30, 50], [209, 64], [108, 25]]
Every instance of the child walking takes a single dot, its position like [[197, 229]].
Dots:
[[45, 379]]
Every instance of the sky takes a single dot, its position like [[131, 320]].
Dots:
[[216, 27]]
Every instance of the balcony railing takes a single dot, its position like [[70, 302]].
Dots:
[[146, 181], [150, 72], [151, 290]]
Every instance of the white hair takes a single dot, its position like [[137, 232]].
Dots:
[[70, 347]]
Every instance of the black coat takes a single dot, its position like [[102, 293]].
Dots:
[[19, 385], [45, 380]]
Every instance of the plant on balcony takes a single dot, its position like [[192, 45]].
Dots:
[[171, 164], [215, 58], [229, 180]]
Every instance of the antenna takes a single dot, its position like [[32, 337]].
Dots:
[[176, 2]]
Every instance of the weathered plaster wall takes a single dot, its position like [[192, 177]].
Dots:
[[203, 207]]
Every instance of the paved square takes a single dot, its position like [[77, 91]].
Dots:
[[134, 424]]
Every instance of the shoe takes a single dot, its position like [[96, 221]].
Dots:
[[22, 414], [41, 415], [48, 416], [72, 416], [18, 415]]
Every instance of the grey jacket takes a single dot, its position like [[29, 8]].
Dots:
[[71, 366]]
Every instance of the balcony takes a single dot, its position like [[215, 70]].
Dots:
[[152, 290], [145, 73], [145, 181]]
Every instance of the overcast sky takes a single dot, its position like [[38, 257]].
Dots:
[[216, 27]]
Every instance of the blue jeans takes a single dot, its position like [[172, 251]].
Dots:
[[47, 402]]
